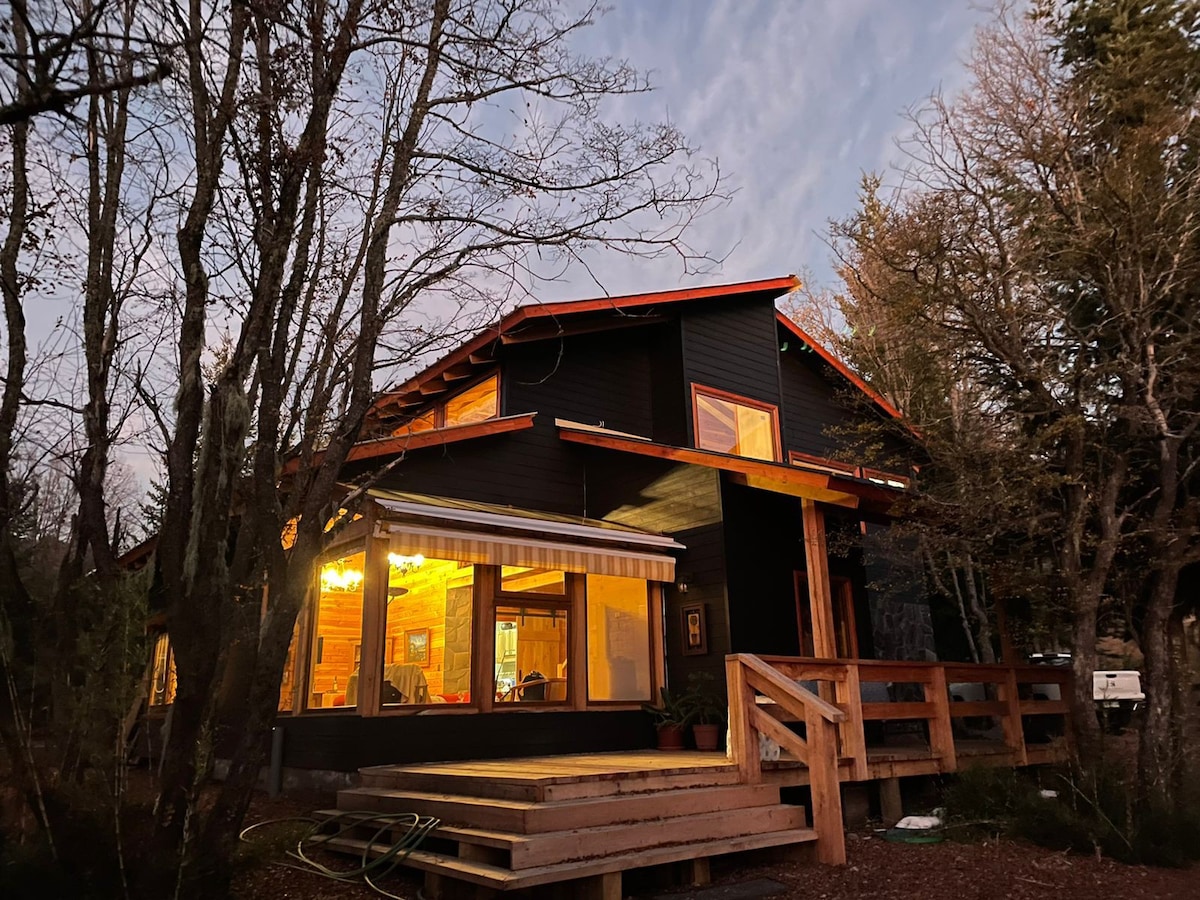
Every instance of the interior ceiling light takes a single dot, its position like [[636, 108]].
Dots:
[[405, 564]]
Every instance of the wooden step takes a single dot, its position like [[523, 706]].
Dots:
[[542, 785], [528, 851], [508, 880], [527, 817]]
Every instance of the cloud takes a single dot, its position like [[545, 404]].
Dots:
[[796, 99]]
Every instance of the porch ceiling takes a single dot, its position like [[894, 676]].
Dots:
[[823, 487]]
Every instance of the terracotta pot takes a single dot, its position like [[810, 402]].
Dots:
[[707, 737], [670, 737]]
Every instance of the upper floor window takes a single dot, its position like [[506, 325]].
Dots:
[[475, 404], [727, 423]]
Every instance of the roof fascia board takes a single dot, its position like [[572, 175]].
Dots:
[[840, 367]]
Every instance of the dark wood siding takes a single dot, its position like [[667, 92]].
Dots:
[[531, 469], [731, 346], [344, 743], [593, 378], [812, 405], [764, 541]]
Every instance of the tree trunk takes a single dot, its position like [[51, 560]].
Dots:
[[1159, 744]]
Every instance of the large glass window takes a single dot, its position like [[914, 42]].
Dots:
[[162, 673], [427, 639], [474, 404], [532, 647], [618, 638], [728, 424], [337, 634]]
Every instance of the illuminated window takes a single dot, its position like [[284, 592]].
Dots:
[[477, 403], [427, 638], [337, 633], [729, 424], [287, 687], [618, 638], [425, 422], [162, 673], [532, 647], [527, 580]]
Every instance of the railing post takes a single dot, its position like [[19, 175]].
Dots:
[[854, 739], [941, 729], [1014, 730], [743, 740], [826, 792]]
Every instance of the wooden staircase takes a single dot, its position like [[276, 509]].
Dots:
[[521, 823]]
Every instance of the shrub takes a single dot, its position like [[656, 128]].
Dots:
[[1101, 814]]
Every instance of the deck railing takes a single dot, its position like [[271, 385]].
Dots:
[[746, 677], [766, 691]]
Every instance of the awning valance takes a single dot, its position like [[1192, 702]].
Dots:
[[503, 550]]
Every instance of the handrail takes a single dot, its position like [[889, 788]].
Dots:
[[802, 694], [746, 676]]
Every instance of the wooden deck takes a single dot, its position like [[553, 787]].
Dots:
[[523, 823]]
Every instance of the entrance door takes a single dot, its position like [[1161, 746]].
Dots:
[[844, 626]]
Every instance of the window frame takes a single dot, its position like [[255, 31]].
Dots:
[[653, 594], [309, 634], [699, 390], [568, 602], [438, 407]]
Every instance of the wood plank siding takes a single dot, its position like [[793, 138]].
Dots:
[[731, 346]]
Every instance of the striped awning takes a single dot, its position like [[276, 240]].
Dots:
[[513, 550]]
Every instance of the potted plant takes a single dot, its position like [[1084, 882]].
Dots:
[[671, 718], [706, 710]]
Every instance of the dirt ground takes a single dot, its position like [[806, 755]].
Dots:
[[876, 870]]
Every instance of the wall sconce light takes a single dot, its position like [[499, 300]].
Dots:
[[681, 584]]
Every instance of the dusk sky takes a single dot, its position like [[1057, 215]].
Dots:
[[796, 98]]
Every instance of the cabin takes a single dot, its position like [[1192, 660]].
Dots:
[[589, 501]]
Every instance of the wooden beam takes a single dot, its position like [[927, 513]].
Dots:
[[839, 490], [779, 486], [779, 733], [820, 598], [438, 437]]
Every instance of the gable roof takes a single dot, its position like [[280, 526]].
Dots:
[[546, 320]]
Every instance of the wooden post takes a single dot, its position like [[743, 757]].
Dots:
[[941, 731], [854, 738], [891, 806], [1014, 731], [820, 598], [483, 680], [826, 792], [577, 663], [601, 887], [743, 739]]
